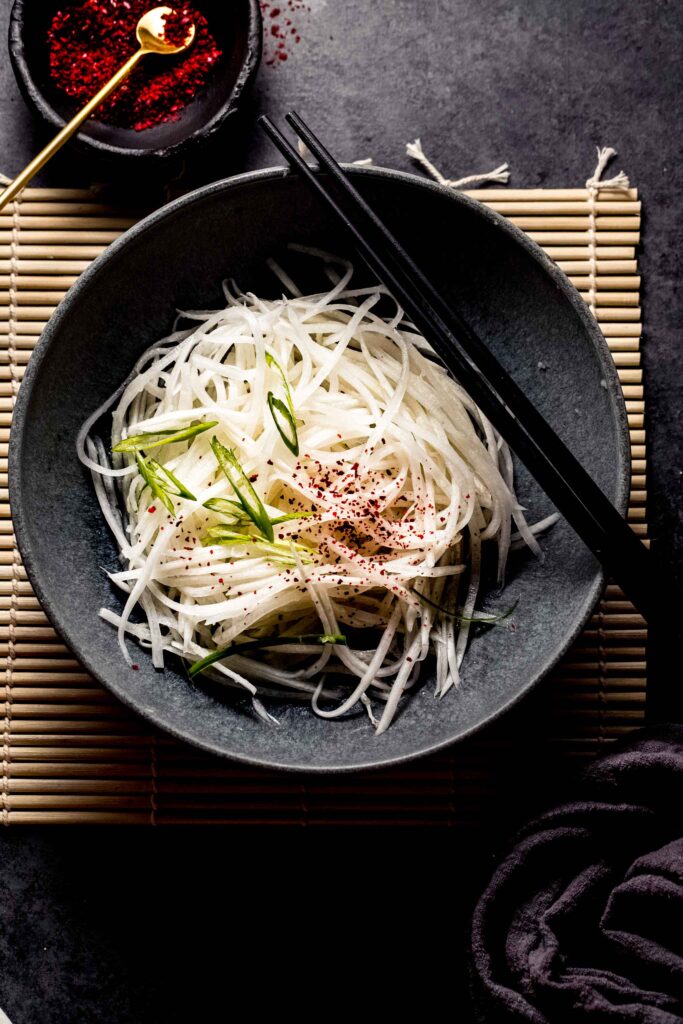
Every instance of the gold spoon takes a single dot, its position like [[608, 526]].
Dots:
[[150, 33]]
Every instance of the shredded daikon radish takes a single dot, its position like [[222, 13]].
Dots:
[[360, 486]]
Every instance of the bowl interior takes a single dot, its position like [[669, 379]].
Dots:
[[231, 24], [523, 308]]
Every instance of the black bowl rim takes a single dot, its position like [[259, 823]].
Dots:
[[568, 291], [35, 98]]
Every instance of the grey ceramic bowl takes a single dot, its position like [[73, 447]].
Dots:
[[521, 304], [235, 24]]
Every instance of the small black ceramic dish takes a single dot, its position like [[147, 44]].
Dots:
[[236, 26], [521, 305]]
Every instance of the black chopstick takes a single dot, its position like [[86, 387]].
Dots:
[[574, 493]]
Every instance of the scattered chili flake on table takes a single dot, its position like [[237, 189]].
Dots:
[[89, 41], [279, 29]]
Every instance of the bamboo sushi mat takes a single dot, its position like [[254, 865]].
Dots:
[[72, 754]]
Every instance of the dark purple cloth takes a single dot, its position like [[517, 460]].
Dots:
[[583, 920]]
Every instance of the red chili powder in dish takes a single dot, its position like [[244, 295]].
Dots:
[[89, 41]]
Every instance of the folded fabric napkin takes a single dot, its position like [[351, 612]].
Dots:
[[583, 920]]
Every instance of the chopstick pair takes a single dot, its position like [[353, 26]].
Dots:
[[574, 493]]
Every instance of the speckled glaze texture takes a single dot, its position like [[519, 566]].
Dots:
[[238, 30], [524, 309]]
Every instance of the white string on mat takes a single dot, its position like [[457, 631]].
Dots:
[[415, 151], [305, 152], [594, 184], [499, 174]]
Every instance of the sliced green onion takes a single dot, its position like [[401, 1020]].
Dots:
[[267, 641], [150, 471], [181, 489], [284, 412], [154, 484], [273, 363], [484, 620], [156, 438], [278, 551], [221, 535], [494, 619], [291, 515], [282, 556], [241, 485], [227, 507], [281, 414]]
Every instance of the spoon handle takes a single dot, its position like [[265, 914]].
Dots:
[[68, 130]]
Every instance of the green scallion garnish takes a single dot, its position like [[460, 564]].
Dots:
[[227, 507], [222, 535], [156, 438], [284, 421], [484, 620], [181, 489], [153, 473], [283, 415], [273, 363], [241, 485], [267, 641], [288, 516], [278, 551], [233, 509]]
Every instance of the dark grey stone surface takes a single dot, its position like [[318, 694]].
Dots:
[[537, 83]]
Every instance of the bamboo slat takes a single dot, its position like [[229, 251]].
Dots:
[[507, 195], [73, 755], [583, 267], [82, 252], [555, 237], [76, 236], [45, 266], [542, 207], [575, 224], [23, 281], [65, 223]]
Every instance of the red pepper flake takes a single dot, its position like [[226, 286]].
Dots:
[[153, 508], [89, 41], [178, 24], [283, 31], [135, 667]]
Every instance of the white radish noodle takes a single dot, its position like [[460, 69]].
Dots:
[[398, 485]]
